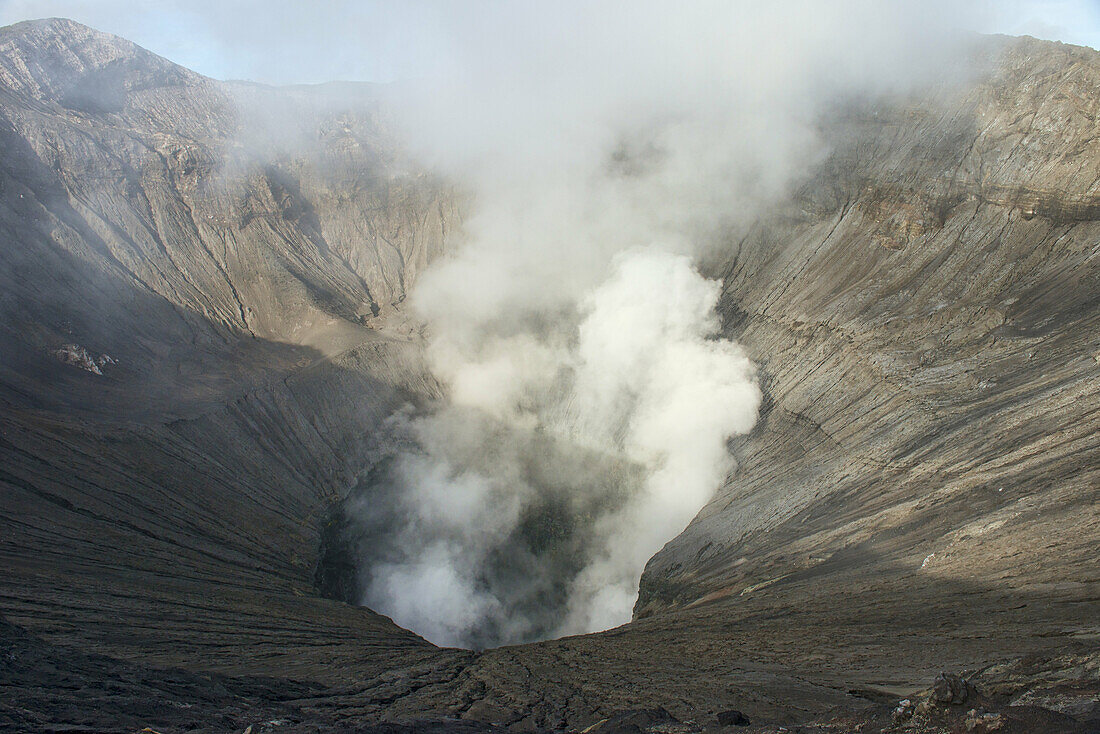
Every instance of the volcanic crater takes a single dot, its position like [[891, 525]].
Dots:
[[919, 494]]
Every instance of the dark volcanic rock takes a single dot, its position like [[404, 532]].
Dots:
[[950, 688], [920, 494], [733, 717], [632, 722], [51, 688]]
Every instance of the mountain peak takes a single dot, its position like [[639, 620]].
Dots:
[[87, 69]]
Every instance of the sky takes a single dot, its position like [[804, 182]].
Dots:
[[292, 41]]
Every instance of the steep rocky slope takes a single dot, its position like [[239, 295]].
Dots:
[[926, 324], [224, 269], [921, 493], [163, 219]]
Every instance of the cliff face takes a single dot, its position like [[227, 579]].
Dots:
[[925, 319], [920, 494]]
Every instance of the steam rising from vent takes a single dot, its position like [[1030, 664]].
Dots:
[[530, 503], [590, 394], [650, 385]]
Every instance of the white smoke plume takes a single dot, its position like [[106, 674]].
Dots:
[[590, 393]]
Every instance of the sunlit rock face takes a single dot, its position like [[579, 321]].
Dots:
[[940, 271], [917, 495]]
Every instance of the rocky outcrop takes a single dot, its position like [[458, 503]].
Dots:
[[924, 314]]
